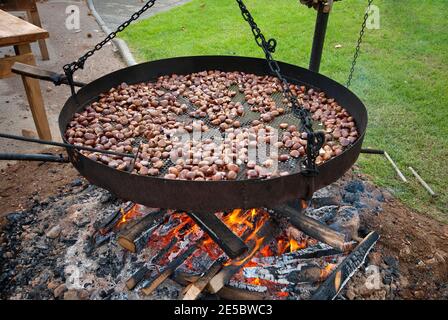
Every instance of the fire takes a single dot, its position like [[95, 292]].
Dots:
[[294, 245], [282, 294], [255, 281], [325, 272], [128, 215], [266, 252]]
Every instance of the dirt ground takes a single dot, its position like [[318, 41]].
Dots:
[[419, 243], [64, 47]]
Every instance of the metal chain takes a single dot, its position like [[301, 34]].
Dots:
[[70, 68], [315, 139], [358, 46]]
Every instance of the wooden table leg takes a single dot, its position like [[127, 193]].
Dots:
[[34, 18], [34, 95]]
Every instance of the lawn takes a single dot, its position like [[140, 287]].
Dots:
[[401, 75]]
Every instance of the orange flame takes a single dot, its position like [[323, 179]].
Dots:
[[257, 246], [255, 281], [325, 272], [282, 294], [128, 215]]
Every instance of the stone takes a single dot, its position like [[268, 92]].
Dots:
[[29, 133], [71, 295], [391, 261], [405, 251], [325, 197], [76, 182], [350, 197], [323, 214], [419, 294], [59, 290], [83, 294], [54, 232], [347, 221], [351, 295], [355, 186]]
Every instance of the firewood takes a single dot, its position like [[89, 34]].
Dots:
[[336, 281], [230, 243], [230, 293], [314, 228], [110, 221], [144, 272], [313, 251], [266, 233], [135, 238], [168, 270], [157, 281], [184, 278], [192, 291], [301, 271], [247, 286]]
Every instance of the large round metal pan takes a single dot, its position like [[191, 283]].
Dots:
[[212, 196]]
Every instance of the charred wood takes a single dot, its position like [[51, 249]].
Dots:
[[144, 272], [314, 228], [266, 234], [230, 243], [194, 290], [340, 276], [157, 279], [136, 237], [230, 293]]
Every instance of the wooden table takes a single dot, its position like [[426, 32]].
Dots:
[[30, 7], [20, 34]]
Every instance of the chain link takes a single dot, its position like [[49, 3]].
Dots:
[[315, 139], [358, 46], [70, 68]]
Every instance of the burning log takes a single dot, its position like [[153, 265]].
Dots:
[[315, 229], [340, 276], [155, 281], [301, 271], [111, 221], [231, 293], [192, 291], [232, 245], [144, 271], [314, 251], [247, 286], [136, 237], [264, 236]]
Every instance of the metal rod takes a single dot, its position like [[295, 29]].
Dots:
[[372, 151], [64, 145], [33, 157], [319, 38], [422, 182], [400, 174]]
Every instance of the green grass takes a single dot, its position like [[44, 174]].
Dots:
[[401, 75]]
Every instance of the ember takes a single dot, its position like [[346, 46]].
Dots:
[[277, 260]]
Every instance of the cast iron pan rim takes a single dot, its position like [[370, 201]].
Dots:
[[324, 165]]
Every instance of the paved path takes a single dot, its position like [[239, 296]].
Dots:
[[115, 12]]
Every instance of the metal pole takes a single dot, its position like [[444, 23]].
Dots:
[[319, 37], [33, 157]]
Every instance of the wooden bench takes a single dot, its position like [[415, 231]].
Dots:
[[20, 34], [30, 7]]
